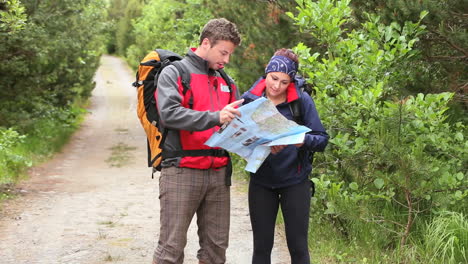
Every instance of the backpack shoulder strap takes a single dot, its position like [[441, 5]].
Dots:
[[296, 110], [296, 106], [184, 74], [228, 82], [226, 78]]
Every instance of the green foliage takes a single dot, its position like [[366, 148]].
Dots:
[[115, 12], [49, 133], [328, 19], [124, 29], [12, 16], [442, 65], [10, 162], [238, 165], [52, 60], [46, 135], [173, 25], [446, 239], [390, 161]]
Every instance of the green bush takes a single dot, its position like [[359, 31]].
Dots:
[[48, 134], [392, 158], [42, 138], [52, 59], [11, 163], [443, 45]]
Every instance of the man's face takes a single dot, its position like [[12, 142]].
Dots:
[[219, 54]]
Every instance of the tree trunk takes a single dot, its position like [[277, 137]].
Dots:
[[409, 221]]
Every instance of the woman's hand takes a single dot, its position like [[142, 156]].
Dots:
[[278, 148]]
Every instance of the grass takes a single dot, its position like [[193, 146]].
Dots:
[[107, 223], [7, 191], [121, 130], [101, 235], [37, 142], [239, 174], [446, 239], [120, 155], [110, 258]]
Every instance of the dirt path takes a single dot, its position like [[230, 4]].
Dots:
[[95, 202]]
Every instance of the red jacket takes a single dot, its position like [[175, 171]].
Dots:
[[192, 118]]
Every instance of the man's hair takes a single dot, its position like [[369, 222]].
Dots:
[[220, 29], [288, 54]]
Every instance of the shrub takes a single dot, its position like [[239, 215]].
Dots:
[[11, 163], [392, 158]]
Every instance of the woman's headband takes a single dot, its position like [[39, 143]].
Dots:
[[282, 64]]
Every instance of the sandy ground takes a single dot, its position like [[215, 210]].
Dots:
[[95, 202]]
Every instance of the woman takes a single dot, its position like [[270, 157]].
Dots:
[[282, 180]]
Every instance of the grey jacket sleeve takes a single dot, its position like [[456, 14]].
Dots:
[[172, 114]]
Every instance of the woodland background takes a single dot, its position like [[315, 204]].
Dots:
[[390, 84]]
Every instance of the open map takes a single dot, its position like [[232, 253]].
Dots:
[[251, 135]]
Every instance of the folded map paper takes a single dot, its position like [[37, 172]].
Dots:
[[259, 127]]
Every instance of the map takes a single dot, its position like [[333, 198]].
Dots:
[[259, 127]]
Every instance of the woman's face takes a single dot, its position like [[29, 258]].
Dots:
[[276, 84]]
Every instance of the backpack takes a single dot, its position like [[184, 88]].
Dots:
[[146, 79], [295, 106]]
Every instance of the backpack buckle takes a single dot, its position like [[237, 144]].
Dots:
[[137, 84]]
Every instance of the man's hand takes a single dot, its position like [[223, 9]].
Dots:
[[229, 112]]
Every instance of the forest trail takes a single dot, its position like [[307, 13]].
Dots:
[[95, 202]]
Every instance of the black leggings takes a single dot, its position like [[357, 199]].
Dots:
[[295, 206]]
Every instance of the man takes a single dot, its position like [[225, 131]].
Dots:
[[195, 181]]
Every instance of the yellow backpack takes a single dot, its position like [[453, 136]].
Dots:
[[146, 78]]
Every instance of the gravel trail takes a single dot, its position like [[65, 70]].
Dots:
[[95, 202]]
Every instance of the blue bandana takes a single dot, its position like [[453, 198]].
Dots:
[[282, 64]]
